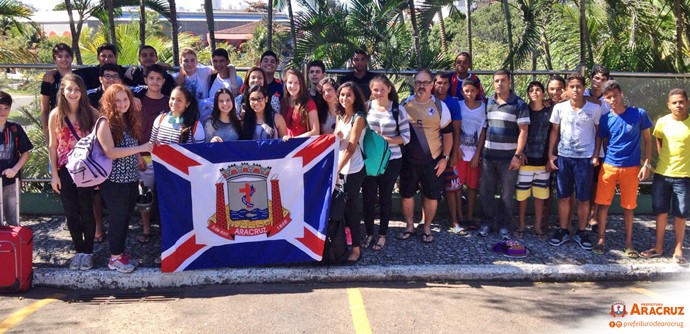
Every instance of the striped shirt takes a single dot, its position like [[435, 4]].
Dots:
[[384, 124], [503, 126], [163, 131]]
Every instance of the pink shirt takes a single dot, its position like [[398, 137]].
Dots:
[[66, 142]]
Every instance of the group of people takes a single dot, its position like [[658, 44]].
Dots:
[[447, 136]]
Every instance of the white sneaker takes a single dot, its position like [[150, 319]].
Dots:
[[75, 263], [503, 234], [123, 264], [86, 262]]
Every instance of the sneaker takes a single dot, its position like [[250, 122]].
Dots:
[[582, 239], [75, 263], [124, 264], [503, 234], [459, 230], [484, 230], [560, 237], [86, 262]]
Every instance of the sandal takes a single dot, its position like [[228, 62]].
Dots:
[[405, 235], [519, 234], [144, 238], [427, 238], [631, 253], [367, 241], [379, 243], [650, 254], [540, 236], [680, 260], [100, 237], [599, 249]]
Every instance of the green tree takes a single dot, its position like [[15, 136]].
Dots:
[[10, 13]]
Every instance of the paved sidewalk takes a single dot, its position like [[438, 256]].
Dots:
[[449, 257]]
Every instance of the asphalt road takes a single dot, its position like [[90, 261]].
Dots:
[[413, 307]]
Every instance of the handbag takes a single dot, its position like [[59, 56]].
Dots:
[[87, 164], [337, 207]]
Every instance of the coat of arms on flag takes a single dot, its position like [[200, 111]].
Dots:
[[244, 203]]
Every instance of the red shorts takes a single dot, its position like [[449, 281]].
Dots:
[[468, 176]]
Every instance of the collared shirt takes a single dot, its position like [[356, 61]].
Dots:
[[503, 126]]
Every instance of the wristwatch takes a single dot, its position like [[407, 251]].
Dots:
[[446, 157], [519, 156]]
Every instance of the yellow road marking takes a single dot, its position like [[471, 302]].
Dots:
[[18, 316], [646, 292], [359, 313]]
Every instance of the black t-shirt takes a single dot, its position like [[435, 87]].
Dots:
[[95, 97], [363, 82], [13, 143], [138, 80], [51, 89], [90, 76]]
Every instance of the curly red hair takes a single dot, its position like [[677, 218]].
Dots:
[[120, 122]]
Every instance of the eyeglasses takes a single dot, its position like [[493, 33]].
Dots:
[[422, 83], [111, 77], [255, 100]]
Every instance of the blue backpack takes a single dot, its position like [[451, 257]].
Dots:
[[375, 151]]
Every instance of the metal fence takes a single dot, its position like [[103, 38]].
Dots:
[[645, 90]]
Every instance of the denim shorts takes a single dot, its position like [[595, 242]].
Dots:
[[575, 174], [671, 193]]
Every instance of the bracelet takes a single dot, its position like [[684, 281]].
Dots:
[[648, 166]]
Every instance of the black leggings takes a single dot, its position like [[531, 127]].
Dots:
[[121, 198], [353, 183], [78, 206], [383, 184]]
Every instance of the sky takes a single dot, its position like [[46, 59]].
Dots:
[[46, 5]]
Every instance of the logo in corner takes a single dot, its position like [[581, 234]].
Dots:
[[618, 310], [249, 211]]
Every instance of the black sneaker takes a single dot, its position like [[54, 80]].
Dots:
[[560, 237], [582, 239]]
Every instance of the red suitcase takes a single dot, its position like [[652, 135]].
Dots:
[[16, 253]]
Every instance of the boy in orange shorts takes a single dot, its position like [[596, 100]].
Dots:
[[621, 128]]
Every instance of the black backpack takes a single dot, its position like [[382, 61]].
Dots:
[[335, 249]]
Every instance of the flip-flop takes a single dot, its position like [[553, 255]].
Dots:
[[99, 237], [427, 238], [681, 261], [631, 253], [368, 239], [380, 242], [599, 249], [650, 254], [519, 234], [405, 235], [540, 236]]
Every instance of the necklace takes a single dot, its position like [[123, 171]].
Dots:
[[175, 121]]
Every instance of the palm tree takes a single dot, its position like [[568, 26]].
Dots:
[[208, 8], [142, 23], [506, 12], [75, 31], [280, 5], [10, 12], [175, 29], [468, 8], [415, 34], [111, 20], [13, 10], [269, 25]]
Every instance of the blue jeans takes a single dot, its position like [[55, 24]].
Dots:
[[671, 193], [495, 172], [578, 172]]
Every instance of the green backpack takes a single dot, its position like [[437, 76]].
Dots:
[[375, 151]]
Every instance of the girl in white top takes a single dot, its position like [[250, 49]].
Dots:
[[181, 124], [327, 87], [396, 131], [350, 129]]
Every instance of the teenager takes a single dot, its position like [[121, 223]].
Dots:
[[260, 120], [223, 125], [298, 109], [327, 116], [118, 135]]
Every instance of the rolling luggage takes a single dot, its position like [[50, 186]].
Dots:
[[16, 252]]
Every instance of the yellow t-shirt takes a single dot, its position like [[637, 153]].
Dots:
[[674, 158]]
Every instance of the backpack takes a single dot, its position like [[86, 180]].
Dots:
[[87, 164], [375, 151]]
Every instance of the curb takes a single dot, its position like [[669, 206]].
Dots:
[[153, 278]]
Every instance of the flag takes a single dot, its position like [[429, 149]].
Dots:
[[244, 203]]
